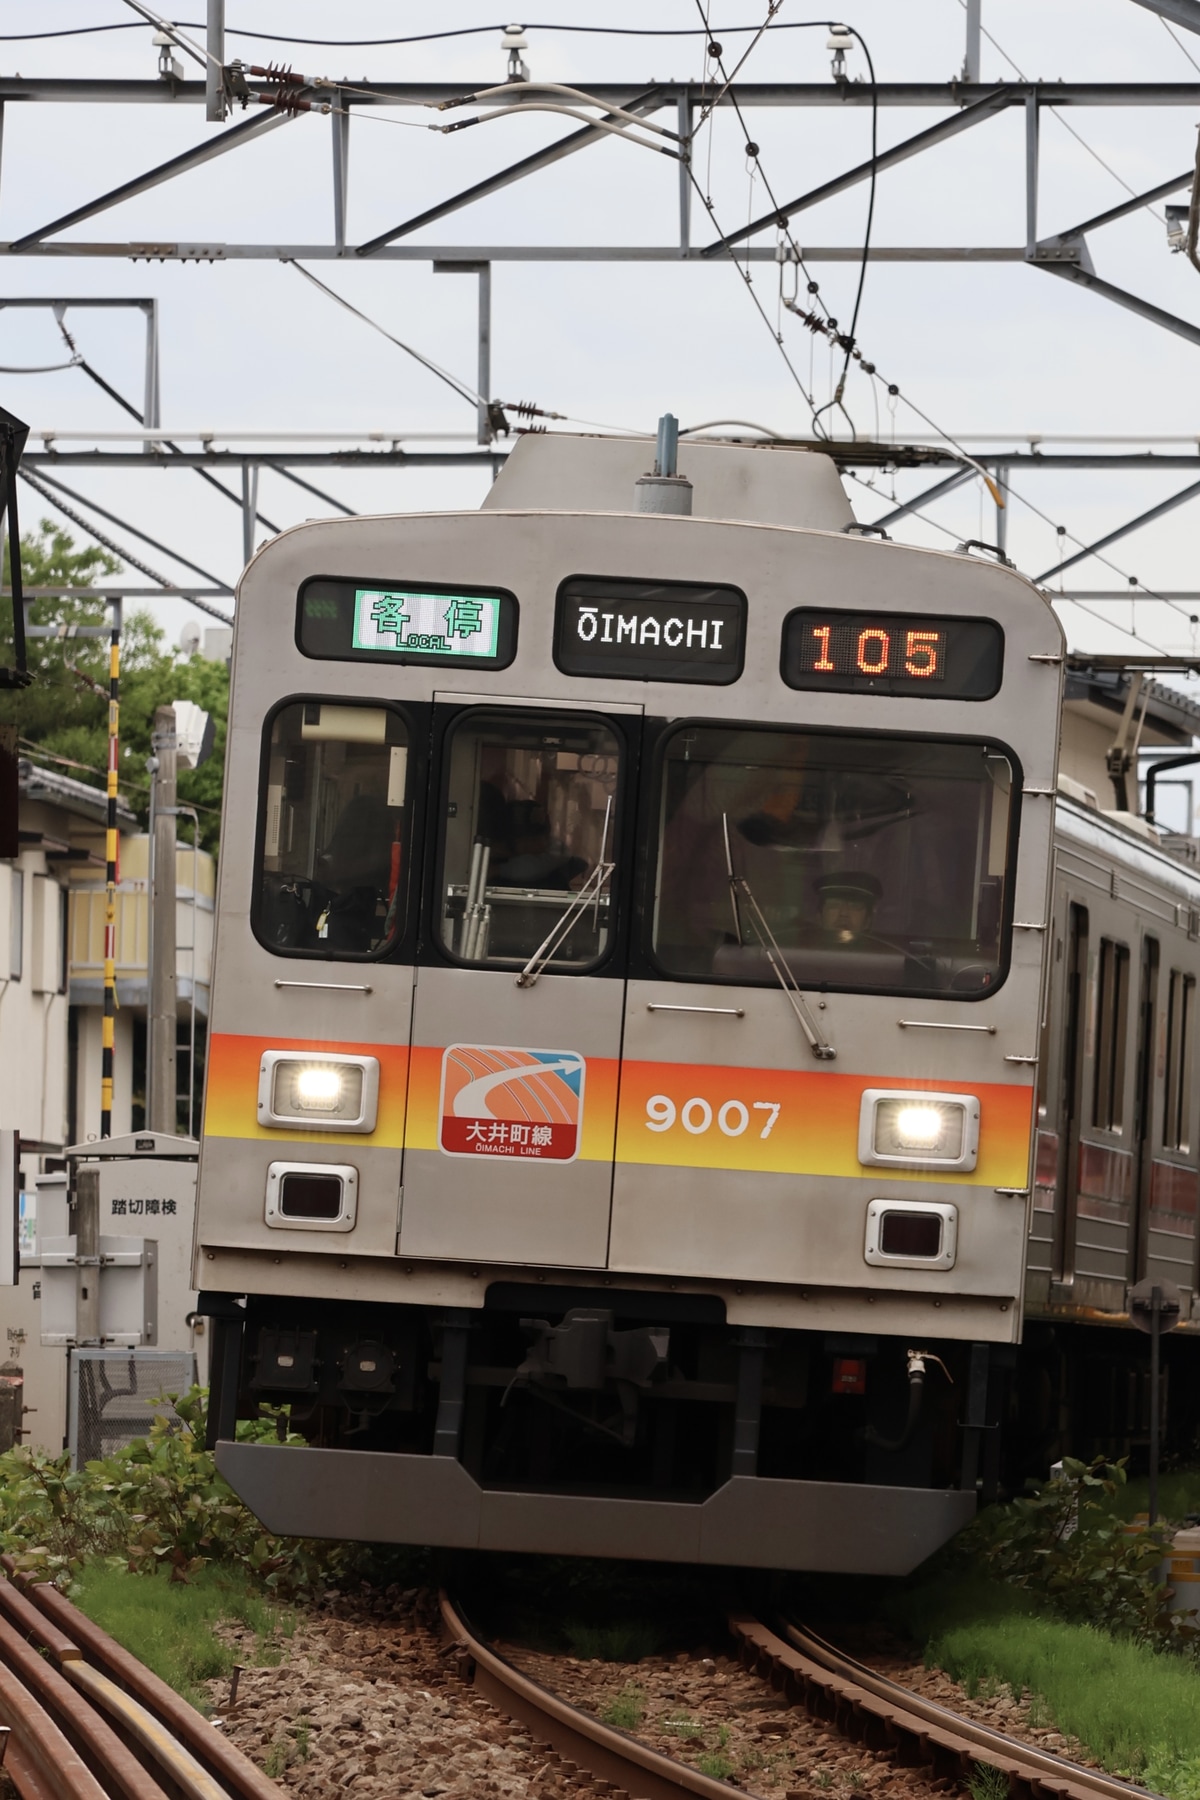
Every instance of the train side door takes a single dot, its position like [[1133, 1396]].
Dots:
[[519, 1001], [1143, 1101]]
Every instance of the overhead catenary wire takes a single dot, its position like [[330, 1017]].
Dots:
[[1146, 593], [61, 487], [461, 388], [827, 325], [110, 544], [40, 368], [1079, 138], [420, 37], [134, 412]]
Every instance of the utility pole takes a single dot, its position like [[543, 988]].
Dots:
[[160, 1045], [112, 873]]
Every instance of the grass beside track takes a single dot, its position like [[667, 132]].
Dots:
[[168, 1625], [1135, 1708]]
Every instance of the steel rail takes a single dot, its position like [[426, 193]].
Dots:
[[580, 1741], [99, 1745], [885, 1715], [87, 1707]]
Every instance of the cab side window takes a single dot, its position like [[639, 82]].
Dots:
[[333, 835]]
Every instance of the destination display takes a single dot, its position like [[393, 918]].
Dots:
[[892, 654], [650, 631], [394, 622]]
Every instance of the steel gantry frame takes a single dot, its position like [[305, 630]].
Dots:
[[269, 103]]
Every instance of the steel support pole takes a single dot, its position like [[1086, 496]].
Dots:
[[87, 1254], [249, 509], [1001, 480], [150, 400], [1155, 1378], [684, 128], [160, 1057], [215, 107], [974, 24], [339, 119], [1032, 123], [484, 377]]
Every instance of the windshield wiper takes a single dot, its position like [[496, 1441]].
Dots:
[[821, 1048], [588, 895]]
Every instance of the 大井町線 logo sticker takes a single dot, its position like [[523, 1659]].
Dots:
[[498, 1101]]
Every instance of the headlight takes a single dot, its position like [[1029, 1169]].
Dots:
[[317, 1087], [918, 1131], [330, 1093]]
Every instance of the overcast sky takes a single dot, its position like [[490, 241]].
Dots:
[[990, 348]]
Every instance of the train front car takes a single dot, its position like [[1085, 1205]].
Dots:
[[628, 967]]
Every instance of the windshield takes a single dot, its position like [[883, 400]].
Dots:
[[876, 862], [530, 814]]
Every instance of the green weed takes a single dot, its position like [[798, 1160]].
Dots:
[[277, 1759], [714, 1764], [169, 1625], [627, 1710], [988, 1783], [1131, 1707]]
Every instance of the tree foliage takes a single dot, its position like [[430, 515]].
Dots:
[[65, 711]]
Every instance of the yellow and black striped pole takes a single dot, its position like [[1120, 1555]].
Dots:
[[108, 1026]]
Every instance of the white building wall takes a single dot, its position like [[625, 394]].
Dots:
[[33, 1001]]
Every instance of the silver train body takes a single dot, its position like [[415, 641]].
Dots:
[[622, 1129]]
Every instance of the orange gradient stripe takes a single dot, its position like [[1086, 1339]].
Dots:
[[816, 1129], [231, 1104]]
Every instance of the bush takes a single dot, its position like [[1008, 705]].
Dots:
[[1068, 1548], [160, 1503]]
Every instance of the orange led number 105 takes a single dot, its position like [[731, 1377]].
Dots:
[[892, 653]]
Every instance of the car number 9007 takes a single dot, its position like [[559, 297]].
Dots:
[[696, 1116]]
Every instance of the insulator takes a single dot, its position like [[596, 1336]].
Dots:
[[280, 73]]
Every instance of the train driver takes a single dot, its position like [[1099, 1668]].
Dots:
[[846, 905]]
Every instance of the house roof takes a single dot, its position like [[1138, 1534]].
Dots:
[[77, 797]]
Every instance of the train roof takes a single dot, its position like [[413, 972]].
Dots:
[[1107, 836], [759, 484]]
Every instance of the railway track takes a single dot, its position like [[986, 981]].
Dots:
[[86, 1721], [885, 1717]]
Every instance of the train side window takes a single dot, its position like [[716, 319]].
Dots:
[[332, 836], [1112, 1013], [529, 833], [1177, 1108]]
